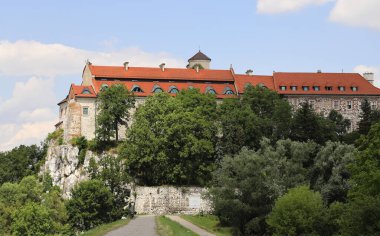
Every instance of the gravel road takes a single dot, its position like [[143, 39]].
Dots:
[[139, 226]]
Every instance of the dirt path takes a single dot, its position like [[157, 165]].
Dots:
[[140, 226], [190, 226]]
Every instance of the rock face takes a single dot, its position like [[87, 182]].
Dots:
[[62, 165]]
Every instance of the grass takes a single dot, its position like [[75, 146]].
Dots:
[[167, 227], [210, 223], [105, 228]]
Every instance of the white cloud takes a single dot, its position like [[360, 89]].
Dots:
[[364, 13], [29, 114], [27, 134], [31, 58], [374, 69], [279, 6]]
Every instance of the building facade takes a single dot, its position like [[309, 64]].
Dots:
[[343, 92]]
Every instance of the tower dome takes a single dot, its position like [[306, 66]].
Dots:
[[199, 59]]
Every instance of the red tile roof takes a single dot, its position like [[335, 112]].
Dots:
[[148, 87], [241, 81], [77, 91], [156, 73], [334, 80]]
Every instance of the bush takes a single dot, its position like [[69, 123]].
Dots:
[[91, 205], [296, 213], [57, 135], [32, 219]]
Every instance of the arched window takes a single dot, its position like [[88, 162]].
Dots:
[[157, 89], [210, 90], [104, 86], [173, 89], [228, 90], [86, 91], [136, 89]]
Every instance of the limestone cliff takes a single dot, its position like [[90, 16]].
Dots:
[[62, 164]]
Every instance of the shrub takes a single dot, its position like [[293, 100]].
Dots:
[[57, 135], [81, 143]]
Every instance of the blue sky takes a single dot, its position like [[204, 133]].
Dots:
[[44, 44]]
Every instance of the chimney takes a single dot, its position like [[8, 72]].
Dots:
[[369, 76], [319, 71], [249, 72], [162, 66], [197, 68], [126, 65]]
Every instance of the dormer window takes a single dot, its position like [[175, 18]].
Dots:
[[282, 88], [354, 88], [293, 88], [210, 90], [305, 88], [329, 88], [316, 88], [86, 91], [157, 89], [136, 89], [341, 88], [228, 91], [173, 89], [104, 86]]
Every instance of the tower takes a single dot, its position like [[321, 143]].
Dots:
[[200, 60]]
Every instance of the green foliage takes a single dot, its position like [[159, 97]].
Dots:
[[21, 161], [173, 139], [246, 185], [329, 174], [81, 143], [167, 227], [259, 113], [103, 229], [114, 104], [341, 124], [111, 171], [210, 223], [29, 209], [56, 135], [296, 213], [307, 125], [368, 117], [90, 205], [32, 219]]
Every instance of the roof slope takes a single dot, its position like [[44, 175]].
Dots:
[[241, 81], [333, 80], [200, 56], [157, 73]]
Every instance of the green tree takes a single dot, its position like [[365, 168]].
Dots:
[[259, 113], [330, 174], [90, 205], [114, 104], [341, 124], [307, 125], [32, 219], [21, 161], [111, 171], [173, 139], [365, 117], [296, 213], [246, 185]]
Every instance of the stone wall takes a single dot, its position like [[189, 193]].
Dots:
[[88, 121], [169, 199], [348, 106]]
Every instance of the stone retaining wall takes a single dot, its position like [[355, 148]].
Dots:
[[168, 200]]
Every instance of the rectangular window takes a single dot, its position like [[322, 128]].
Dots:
[[316, 88], [354, 89], [305, 88], [349, 105], [329, 88], [283, 88], [373, 105], [336, 105], [293, 88], [85, 111], [341, 88]]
